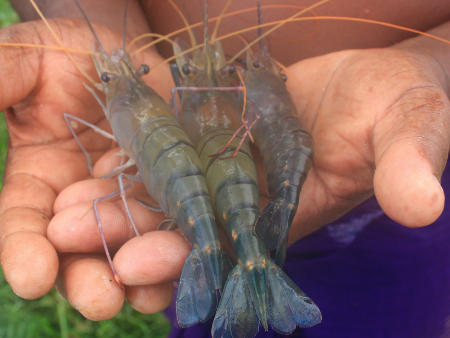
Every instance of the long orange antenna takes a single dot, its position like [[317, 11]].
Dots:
[[60, 43], [303, 19], [278, 26], [181, 30], [275, 36], [153, 35], [47, 47], [216, 28], [186, 23]]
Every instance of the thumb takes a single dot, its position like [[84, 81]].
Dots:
[[411, 145]]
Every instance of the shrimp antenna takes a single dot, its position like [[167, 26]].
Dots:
[[207, 55], [278, 26], [199, 24], [191, 34], [209, 65], [216, 27], [125, 25], [90, 26], [262, 45], [60, 42]]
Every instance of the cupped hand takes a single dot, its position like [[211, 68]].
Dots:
[[36, 87], [382, 128]]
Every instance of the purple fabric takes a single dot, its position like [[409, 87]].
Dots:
[[370, 277]]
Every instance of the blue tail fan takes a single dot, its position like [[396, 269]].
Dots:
[[236, 316], [288, 306], [196, 297], [275, 221]]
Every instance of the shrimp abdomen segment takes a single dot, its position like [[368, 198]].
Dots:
[[287, 161], [287, 149], [177, 181]]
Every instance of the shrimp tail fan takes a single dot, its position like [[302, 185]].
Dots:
[[275, 220], [196, 297], [288, 307], [236, 315]]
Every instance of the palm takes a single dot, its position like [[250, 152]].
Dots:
[[43, 159], [380, 111]]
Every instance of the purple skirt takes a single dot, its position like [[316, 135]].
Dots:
[[370, 277]]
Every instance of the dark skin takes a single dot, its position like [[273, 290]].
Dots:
[[385, 112]]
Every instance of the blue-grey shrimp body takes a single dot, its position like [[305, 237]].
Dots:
[[146, 129], [255, 285], [284, 143]]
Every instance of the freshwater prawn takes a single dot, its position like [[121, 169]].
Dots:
[[145, 128], [210, 117], [284, 143]]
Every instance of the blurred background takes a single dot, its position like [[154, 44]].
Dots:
[[52, 315]]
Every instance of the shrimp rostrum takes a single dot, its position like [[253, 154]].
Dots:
[[147, 131], [256, 289]]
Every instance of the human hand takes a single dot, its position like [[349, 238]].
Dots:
[[43, 158], [383, 129]]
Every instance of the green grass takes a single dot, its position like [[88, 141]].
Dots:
[[52, 315]]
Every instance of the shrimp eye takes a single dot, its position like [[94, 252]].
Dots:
[[284, 77], [256, 64], [186, 70], [231, 69], [105, 77], [143, 70]]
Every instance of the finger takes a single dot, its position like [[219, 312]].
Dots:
[[89, 285], [153, 258], [411, 156], [107, 163], [150, 298], [88, 190], [28, 259], [74, 229], [29, 262]]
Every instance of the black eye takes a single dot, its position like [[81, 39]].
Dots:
[[231, 69], [186, 70], [105, 77], [256, 64], [284, 77], [144, 69]]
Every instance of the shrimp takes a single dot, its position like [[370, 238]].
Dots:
[[148, 133], [284, 143], [210, 117]]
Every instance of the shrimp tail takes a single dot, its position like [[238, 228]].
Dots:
[[274, 222], [236, 315], [287, 306], [197, 291], [287, 162], [197, 297]]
